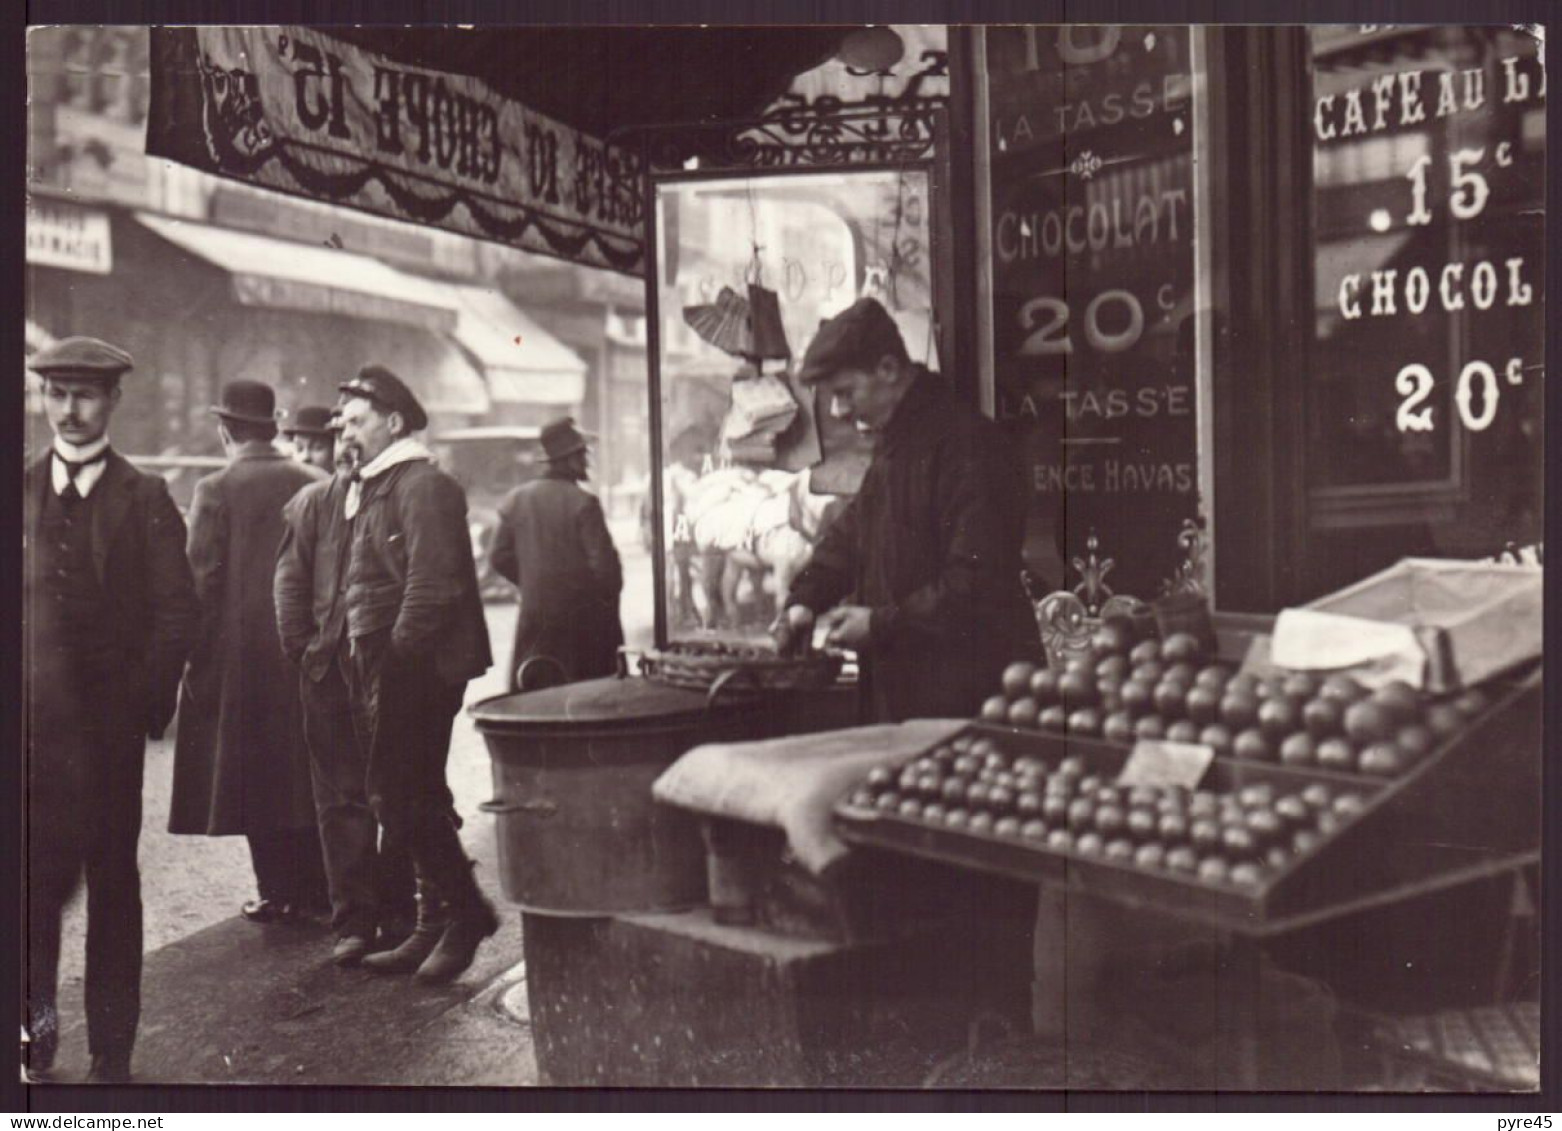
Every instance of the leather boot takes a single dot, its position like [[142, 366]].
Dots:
[[433, 919], [472, 919]]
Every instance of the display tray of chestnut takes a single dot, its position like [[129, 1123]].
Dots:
[[1040, 798], [1169, 689]]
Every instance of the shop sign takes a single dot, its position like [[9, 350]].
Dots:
[[295, 110], [65, 235], [1090, 131], [1429, 151]]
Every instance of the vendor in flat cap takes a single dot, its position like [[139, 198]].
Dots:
[[417, 635], [927, 555], [553, 545], [240, 765], [109, 613], [312, 433]]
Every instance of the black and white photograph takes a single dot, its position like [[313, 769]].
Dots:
[[968, 557]]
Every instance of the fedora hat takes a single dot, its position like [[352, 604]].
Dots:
[[253, 402], [561, 438]]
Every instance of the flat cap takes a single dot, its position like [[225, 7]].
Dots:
[[81, 357], [857, 337], [388, 393], [311, 420]]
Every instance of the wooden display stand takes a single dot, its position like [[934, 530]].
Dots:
[[679, 1000]]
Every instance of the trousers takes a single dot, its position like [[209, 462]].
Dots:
[[288, 867], [369, 875], [86, 751], [404, 713]]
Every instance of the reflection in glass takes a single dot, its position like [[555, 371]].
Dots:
[[752, 472]]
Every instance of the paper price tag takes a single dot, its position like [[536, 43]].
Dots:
[[1156, 762]]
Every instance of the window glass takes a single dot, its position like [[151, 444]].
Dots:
[[752, 469], [1426, 387], [1090, 132]]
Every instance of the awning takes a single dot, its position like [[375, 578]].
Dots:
[[501, 133], [524, 363], [283, 275]]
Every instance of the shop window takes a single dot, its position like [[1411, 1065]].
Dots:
[[1425, 387], [752, 471], [1088, 214]]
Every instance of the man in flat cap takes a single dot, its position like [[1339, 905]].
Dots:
[[553, 545], [416, 636], [313, 436], [240, 764], [109, 614], [370, 880], [927, 555]]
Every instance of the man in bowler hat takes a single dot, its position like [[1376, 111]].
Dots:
[[240, 764], [109, 613], [370, 879], [553, 545], [928, 554], [416, 636], [313, 436]]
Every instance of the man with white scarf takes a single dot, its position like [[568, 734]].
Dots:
[[417, 635]]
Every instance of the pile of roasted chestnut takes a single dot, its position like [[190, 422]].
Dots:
[[1239, 837], [1122, 691]]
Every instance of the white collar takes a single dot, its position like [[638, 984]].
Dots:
[[84, 452], [86, 477]]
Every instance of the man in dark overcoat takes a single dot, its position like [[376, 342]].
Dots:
[[109, 613], [240, 763], [370, 882], [553, 545], [417, 635], [920, 573]]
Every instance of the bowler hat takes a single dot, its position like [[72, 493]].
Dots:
[[560, 438], [253, 402], [311, 420], [857, 337], [82, 358], [388, 393]]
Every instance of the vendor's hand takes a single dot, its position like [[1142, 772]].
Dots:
[[848, 626], [793, 630]]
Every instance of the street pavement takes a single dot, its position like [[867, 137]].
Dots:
[[193, 887]]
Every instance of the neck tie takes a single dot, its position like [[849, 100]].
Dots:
[[73, 468]]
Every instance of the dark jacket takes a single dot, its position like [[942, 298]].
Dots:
[[240, 764], [932, 544], [309, 589], [138, 553], [411, 571], [553, 544]]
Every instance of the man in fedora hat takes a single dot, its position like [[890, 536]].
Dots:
[[313, 436], [553, 545], [240, 764], [109, 613], [416, 636], [370, 880], [927, 555]]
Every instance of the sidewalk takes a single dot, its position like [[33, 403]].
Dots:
[[239, 1003]]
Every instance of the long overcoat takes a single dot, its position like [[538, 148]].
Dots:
[[240, 764], [553, 545]]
